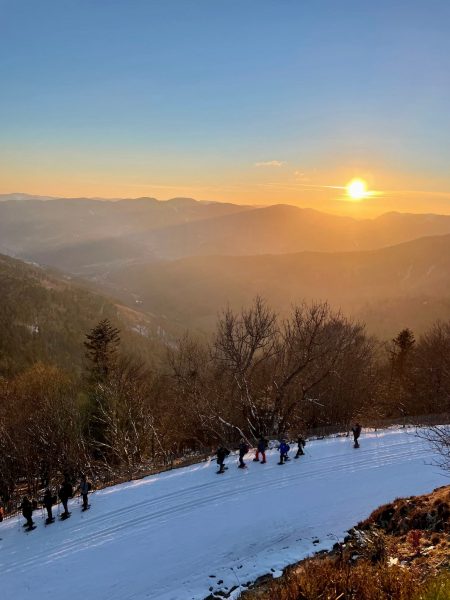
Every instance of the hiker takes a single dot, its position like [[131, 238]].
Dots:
[[243, 449], [301, 442], [356, 429], [261, 449], [65, 492], [221, 453], [85, 488], [27, 512], [48, 501], [284, 449]]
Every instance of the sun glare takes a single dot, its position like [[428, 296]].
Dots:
[[357, 189]]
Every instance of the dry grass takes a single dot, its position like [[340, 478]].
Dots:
[[327, 579]]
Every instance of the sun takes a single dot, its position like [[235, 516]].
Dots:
[[357, 189]]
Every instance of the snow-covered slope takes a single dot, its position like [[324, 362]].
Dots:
[[175, 535]]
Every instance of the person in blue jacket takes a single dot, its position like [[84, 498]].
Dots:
[[284, 449]]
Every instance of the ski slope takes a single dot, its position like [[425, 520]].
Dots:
[[175, 535]]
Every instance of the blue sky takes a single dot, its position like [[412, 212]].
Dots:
[[157, 97]]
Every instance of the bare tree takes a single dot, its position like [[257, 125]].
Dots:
[[431, 371], [273, 369], [125, 415]]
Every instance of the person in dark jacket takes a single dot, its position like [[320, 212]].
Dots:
[[48, 501], [261, 449], [65, 492], [243, 449], [301, 442], [356, 429], [27, 512], [284, 449], [85, 486], [221, 453]]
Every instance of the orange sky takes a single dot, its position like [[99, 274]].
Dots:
[[266, 182]]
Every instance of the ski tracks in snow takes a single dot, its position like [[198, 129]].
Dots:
[[138, 517], [133, 512]]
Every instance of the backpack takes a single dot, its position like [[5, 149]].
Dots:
[[89, 486], [34, 504]]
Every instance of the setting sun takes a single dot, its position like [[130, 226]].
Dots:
[[357, 189]]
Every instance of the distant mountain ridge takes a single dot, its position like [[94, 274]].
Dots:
[[87, 236], [402, 285]]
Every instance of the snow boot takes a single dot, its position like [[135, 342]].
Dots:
[[30, 528], [86, 508], [256, 460], [49, 521]]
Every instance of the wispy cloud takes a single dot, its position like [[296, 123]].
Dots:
[[301, 176], [270, 163]]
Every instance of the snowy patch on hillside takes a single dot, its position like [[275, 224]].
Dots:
[[184, 534]]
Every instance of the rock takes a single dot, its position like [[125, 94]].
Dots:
[[263, 579]]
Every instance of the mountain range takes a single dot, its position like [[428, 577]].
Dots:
[[390, 288], [86, 236], [176, 263]]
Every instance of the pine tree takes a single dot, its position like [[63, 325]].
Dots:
[[403, 344], [102, 345], [401, 351]]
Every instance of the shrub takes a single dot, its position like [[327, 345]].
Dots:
[[437, 589]]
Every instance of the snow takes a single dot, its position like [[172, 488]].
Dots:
[[175, 535]]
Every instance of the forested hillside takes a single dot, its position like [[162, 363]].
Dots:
[[44, 317], [407, 285]]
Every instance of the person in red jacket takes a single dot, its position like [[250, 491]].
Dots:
[[261, 449]]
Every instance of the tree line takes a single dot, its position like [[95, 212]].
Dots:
[[258, 374]]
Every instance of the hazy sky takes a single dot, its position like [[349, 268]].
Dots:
[[252, 101]]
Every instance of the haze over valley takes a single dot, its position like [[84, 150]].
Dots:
[[181, 261]]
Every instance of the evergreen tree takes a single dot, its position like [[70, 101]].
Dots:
[[102, 344], [401, 352], [403, 344]]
